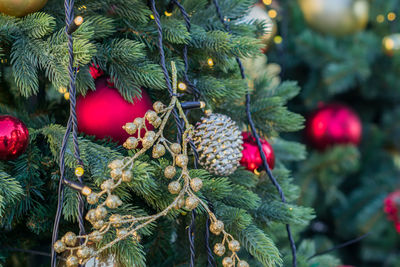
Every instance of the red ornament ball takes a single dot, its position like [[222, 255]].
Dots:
[[103, 112], [333, 124], [392, 208], [14, 137], [251, 158]]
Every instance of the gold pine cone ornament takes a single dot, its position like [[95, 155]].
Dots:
[[219, 143]]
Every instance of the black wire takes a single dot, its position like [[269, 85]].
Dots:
[[254, 132]]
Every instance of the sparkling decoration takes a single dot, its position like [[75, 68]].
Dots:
[[95, 71], [251, 158], [21, 8], [14, 137], [104, 216], [227, 262], [72, 261], [104, 112], [333, 124], [242, 264], [339, 17], [219, 144], [391, 44], [219, 249], [258, 12], [392, 207]]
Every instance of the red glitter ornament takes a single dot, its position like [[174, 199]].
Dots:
[[14, 137], [95, 71], [391, 208], [333, 124], [103, 112], [251, 158]]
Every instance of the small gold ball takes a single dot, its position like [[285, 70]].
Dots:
[[83, 252], [147, 142], [92, 198], [113, 202], [181, 160], [86, 191], [216, 227], [234, 245], [98, 224], [127, 176], [59, 246], [72, 261], [243, 264], [169, 172], [158, 106], [96, 236], [131, 143], [79, 171], [151, 116], [191, 202], [139, 122], [227, 262], [158, 151], [101, 213], [91, 216], [69, 239], [196, 184], [219, 249], [150, 135], [176, 148], [180, 203], [107, 184], [174, 187], [130, 128], [116, 164], [157, 122], [116, 220], [116, 174], [122, 232]]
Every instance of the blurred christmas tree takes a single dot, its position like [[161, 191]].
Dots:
[[345, 52], [120, 68]]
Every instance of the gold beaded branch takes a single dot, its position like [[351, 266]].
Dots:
[[126, 226]]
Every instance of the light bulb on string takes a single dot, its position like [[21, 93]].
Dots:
[[182, 86], [210, 62]]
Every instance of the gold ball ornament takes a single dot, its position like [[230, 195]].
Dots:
[[191, 202], [92, 198], [151, 116], [170, 172], [95, 236], [83, 252], [116, 220], [91, 216], [116, 164], [174, 187], [227, 262], [216, 227], [139, 122], [391, 44], [72, 261], [127, 176], [219, 249], [20, 8], [176, 148], [158, 106], [157, 122], [339, 17], [69, 239], [101, 213], [131, 143], [98, 224], [130, 128], [150, 135], [234, 245], [219, 143], [242, 264], [113, 202], [107, 184], [182, 160], [180, 203], [196, 184], [59, 246], [116, 174], [158, 151]]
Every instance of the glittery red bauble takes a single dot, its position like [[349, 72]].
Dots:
[[333, 124], [14, 137], [251, 158], [103, 112], [95, 71], [391, 208]]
